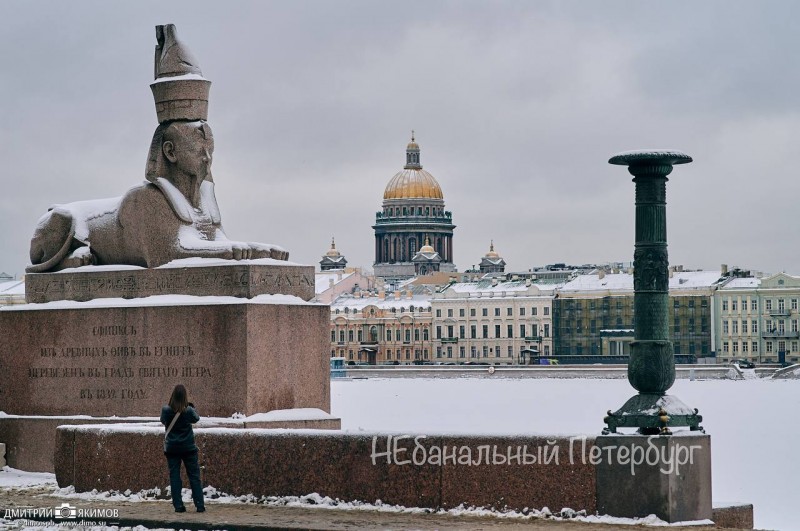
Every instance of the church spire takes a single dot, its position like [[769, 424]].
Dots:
[[412, 154]]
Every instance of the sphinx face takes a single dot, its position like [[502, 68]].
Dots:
[[193, 148]]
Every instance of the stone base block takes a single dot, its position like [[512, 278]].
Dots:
[[734, 516], [31, 440], [122, 358], [669, 476], [243, 278]]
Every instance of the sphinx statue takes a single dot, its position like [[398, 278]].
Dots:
[[174, 213]]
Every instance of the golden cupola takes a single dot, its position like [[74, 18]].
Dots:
[[413, 182]]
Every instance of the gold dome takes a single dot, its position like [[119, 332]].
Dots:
[[332, 252], [427, 247], [409, 184], [413, 182]]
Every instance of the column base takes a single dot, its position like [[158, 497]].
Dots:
[[653, 414]]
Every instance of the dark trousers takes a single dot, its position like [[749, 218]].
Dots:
[[192, 470]]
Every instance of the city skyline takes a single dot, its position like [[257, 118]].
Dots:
[[517, 107]]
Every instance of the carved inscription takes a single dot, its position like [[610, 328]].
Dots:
[[102, 376]]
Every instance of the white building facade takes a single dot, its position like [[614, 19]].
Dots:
[[492, 322], [759, 319]]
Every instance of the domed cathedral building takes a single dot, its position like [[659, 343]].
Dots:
[[413, 215]]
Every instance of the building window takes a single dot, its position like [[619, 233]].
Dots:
[[449, 312], [691, 325], [794, 304], [496, 330], [768, 304], [449, 352], [794, 346], [497, 312], [485, 330], [677, 326], [724, 305], [438, 332], [509, 311], [522, 331], [725, 347], [341, 336], [781, 305], [676, 348], [734, 304], [755, 326], [522, 311], [462, 334], [474, 351], [534, 330], [438, 352], [425, 334], [450, 331], [510, 331], [333, 336], [485, 312], [754, 305], [497, 351], [725, 327], [547, 330], [416, 334], [794, 325], [735, 327], [754, 344], [438, 312], [735, 346], [389, 354], [461, 312], [769, 346], [533, 311], [510, 352], [547, 350], [408, 335], [744, 326], [472, 312], [485, 351], [745, 346], [473, 331], [546, 310], [676, 303], [462, 352]]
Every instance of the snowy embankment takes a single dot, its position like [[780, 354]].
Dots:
[[752, 423]]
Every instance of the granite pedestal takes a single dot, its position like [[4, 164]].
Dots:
[[669, 476], [123, 358]]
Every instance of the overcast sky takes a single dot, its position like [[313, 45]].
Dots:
[[517, 108]]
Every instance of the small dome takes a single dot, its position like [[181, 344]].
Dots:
[[410, 183], [427, 247], [332, 252]]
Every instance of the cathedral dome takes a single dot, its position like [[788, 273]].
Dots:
[[413, 182], [409, 184]]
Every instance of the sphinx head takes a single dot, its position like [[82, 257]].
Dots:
[[181, 149]]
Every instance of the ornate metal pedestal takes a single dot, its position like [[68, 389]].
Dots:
[[651, 369]]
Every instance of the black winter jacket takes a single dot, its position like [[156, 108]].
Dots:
[[181, 438]]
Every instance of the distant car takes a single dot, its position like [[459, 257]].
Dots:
[[745, 364]]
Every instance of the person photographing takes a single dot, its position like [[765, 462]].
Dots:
[[178, 417]]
